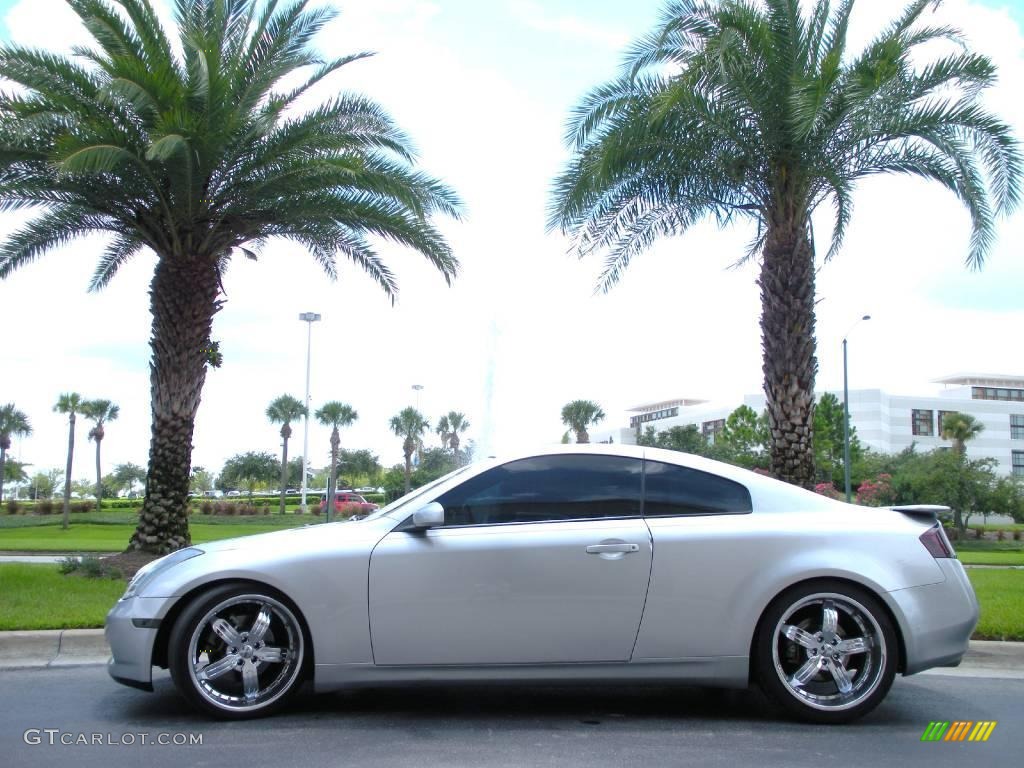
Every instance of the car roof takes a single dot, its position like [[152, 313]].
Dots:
[[770, 493]]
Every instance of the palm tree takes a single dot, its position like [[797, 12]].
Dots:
[[740, 110], [99, 412], [70, 403], [193, 143], [13, 423], [334, 415], [444, 430], [959, 428], [284, 410], [580, 414], [457, 423], [409, 425]]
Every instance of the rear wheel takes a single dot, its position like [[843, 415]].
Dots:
[[237, 651], [826, 652]]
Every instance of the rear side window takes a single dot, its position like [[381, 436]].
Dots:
[[547, 489], [670, 491]]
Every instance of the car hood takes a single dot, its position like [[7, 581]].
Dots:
[[307, 537]]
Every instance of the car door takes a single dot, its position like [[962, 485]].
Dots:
[[540, 560]]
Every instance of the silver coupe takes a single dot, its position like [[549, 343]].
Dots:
[[575, 563]]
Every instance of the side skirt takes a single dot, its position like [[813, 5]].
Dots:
[[717, 671]]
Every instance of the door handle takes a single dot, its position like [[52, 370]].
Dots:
[[601, 549]]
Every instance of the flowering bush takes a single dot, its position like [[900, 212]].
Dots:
[[878, 493], [827, 489]]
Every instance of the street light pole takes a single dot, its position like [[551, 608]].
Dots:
[[846, 416], [309, 318]]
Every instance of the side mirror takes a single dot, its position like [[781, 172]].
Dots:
[[428, 517]]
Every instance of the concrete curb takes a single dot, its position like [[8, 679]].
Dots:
[[52, 648], [73, 647]]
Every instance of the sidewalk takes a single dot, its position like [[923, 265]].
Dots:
[[67, 647]]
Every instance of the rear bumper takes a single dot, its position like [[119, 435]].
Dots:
[[936, 619], [131, 646]]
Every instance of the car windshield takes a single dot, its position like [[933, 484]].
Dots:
[[415, 493]]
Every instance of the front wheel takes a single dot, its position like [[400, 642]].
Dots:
[[826, 652], [237, 652]]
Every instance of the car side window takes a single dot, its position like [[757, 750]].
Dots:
[[671, 490], [547, 488]]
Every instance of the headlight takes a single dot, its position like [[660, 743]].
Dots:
[[150, 571]]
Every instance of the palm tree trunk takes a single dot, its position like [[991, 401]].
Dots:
[[582, 436], [183, 301], [67, 472], [788, 343], [332, 481], [284, 470], [408, 471], [99, 476]]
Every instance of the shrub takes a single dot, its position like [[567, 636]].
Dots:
[[827, 489], [266, 509], [979, 533], [44, 507], [89, 567], [81, 506], [314, 508], [1000, 535], [1016, 535], [13, 507], [206, 508]]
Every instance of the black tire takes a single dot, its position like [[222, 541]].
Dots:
[[272, 663], [802, 662]]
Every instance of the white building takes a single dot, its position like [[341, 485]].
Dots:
[[885, 422]]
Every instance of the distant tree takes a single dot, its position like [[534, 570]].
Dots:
[[444, 431], [248, 470], [44, 484], [127, 475], [458, 423], [99, 412], [580, 414], [409, 424], [947, 478], [334, 415], [284, 410], [201, 480], [13, 423], [960, 428], [828, 440], [71, 404], [361, 463], [747, 435]]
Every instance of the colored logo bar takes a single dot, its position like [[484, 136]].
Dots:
[[959, 730]]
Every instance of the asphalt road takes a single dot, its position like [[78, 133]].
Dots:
[[613, 725]]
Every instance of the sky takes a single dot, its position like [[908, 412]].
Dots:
[[484, 90]]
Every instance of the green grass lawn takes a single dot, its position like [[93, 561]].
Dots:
[[1001, 595], [991, 557], [92, 537], [39, 597]]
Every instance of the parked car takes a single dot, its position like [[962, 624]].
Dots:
[[348, 501], [607, 563], [233, 494], [213, 494]]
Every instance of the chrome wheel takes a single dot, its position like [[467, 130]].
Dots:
[[245, 653], [829, 651]]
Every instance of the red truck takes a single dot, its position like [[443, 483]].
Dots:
[[349, 503]]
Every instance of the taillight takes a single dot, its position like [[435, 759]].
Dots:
[[935, 541]]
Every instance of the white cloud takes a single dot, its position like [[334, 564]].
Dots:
[[539, 17]]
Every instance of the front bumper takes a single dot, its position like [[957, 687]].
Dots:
[[131, 645], [937, 619]]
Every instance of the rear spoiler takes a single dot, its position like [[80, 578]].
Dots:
[[934, 511]]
